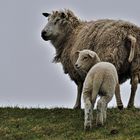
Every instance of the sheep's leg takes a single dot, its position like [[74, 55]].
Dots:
[[78, 100], [118, 97], [134, 84], [102, 108]]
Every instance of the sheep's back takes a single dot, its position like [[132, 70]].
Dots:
[[108, 39]]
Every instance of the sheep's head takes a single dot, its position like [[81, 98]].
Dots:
[[86, 59], [60, 23]]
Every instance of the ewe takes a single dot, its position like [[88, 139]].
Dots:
[[115, 41], [101, 79]]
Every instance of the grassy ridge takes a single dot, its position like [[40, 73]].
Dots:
[[66, 124]]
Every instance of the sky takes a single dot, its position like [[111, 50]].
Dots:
[[28, 78]]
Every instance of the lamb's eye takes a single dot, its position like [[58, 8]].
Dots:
[[85, 58]]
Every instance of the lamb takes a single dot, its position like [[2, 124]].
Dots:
[[115, 41], [101, 79]]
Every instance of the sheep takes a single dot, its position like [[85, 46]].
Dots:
[[115, 41], [101, 79]]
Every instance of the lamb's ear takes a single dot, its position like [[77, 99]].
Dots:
[[46, 14], [77, 52], [91, 55]]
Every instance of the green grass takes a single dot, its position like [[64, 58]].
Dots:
[[66, 124]]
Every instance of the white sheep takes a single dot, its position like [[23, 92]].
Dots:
[[102, 80]]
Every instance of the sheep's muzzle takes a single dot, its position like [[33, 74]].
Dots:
[[44, 36]]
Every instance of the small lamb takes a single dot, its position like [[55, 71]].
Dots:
[[102, 80]]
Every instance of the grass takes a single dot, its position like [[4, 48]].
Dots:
[[66, 124]]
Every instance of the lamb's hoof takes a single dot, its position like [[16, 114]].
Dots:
[[120, 107], [87, 127], [99, 124], [77, 106]]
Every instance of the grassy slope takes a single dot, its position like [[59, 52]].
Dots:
[[66, 124]]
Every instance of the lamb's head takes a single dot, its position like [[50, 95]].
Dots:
[[60, 24], [86, 59]]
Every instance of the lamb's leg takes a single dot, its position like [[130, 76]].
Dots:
[[78, 99], [99, 118], [118, 97], [102, 108], [88, 114], [134, 84], [89, 96], [88, 109]]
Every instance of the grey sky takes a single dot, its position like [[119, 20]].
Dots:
[[27, 76]]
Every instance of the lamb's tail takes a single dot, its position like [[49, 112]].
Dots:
[[118, 97], [132, 39]]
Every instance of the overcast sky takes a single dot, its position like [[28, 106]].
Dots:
[[28, 78]]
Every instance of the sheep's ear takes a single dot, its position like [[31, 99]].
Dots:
[[46, 14]]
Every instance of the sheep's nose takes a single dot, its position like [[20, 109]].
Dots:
[[43, 34]]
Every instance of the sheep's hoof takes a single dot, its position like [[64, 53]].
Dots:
[[130, 106], [77, 106], [120, 107]]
